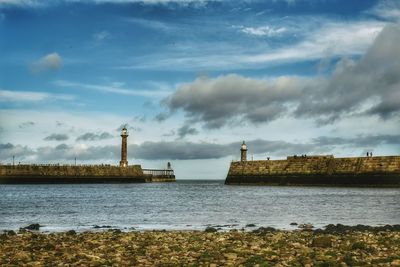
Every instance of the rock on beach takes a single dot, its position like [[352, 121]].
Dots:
[[267, 247]]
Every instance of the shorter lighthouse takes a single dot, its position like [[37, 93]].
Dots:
[[243, 152], [124, 148]]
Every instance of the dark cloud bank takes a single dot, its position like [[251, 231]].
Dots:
[[26, 124], [370, 86], [94, 136], [182, 150], [186, 130], [56, 137]]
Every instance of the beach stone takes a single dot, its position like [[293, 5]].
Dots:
[[263, 230], [293, 223], [33, 226], [338, 228], [21, 230], [361, 228], [10, 232], [230, 256], [3, 236], [395, 263], [250, 225], [71, 232], [210, 229], [360, 245], [306, 226], [22, 256], [396, 227], [322, 242], [297, 245]]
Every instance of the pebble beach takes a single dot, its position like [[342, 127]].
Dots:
[[333, 246]]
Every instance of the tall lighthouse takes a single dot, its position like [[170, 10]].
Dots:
[[243, 152], [124, 149]]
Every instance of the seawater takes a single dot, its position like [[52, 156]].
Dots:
[[188, 205]]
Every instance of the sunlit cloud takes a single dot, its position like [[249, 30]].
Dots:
[[51, 61]]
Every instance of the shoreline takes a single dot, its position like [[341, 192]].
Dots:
[[250, 227], [335, 245]]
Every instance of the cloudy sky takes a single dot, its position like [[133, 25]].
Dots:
[[191, 79]]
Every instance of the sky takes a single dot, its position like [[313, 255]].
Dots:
[[192, 79]]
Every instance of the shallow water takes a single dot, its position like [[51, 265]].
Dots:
[[192, 205]]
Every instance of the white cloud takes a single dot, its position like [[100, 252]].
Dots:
[[8, 151], [51, 61], [152, 23], [42, 3], [219, 101], [388, 9], [103, 35], [30, 96], [340, 38], [263, 30], [148, 1], [20, 2], [368, 87], [113, 88]]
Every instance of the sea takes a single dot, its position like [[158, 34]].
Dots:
[[191, 205]]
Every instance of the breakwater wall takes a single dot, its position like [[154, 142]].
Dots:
[[318, 170], [55, 173]]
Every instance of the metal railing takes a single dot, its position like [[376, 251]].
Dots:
[[159, 172]]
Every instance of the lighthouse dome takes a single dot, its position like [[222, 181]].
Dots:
[[124, 131], [244, 146]]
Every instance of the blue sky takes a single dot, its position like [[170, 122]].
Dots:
[[191, 79]]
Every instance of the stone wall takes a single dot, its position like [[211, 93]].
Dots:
[[323, 168], [70, 170], [69, 173]]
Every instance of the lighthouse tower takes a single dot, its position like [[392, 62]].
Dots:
[[124, 150], [243, 152]]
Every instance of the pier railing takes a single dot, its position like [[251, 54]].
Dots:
[[159, 172]]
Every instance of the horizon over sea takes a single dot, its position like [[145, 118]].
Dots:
[[191, 205]]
